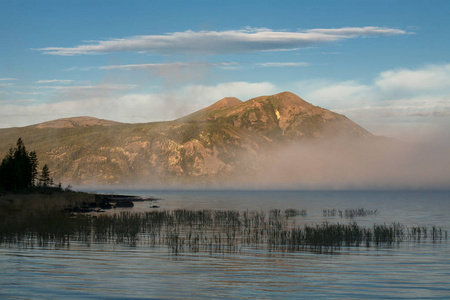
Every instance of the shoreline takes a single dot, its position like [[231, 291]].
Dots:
[[39, 202]]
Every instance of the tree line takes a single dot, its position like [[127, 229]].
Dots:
[[19, 170]]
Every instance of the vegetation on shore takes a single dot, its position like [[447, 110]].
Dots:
[[38, 203], [19, 171], [26, 193]]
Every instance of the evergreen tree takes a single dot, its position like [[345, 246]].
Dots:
[[34, 163], [7, 172], [45, 180], [18, 169]]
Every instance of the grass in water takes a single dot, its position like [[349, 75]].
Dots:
[[215, 231]]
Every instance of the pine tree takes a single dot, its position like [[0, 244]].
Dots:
[[18, 169], [7, 180], [45, 180], [34, 164]]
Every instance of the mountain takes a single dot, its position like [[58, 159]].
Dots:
[[281, 116], [76, 122], [216, 143]]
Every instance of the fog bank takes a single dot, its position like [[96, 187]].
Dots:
[[349, 164], [342, 163]]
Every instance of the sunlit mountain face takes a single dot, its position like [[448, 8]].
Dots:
[[277, 141], [219, 142]]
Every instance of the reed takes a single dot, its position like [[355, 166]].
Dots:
[[349, 213], [213, 231]]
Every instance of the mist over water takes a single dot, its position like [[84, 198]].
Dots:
[[337, 164], [345, 163]]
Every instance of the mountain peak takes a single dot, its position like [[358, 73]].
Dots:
[[204, 113], [224, 103], [76, 122], [285, 99], [287, 94], [287, 116]]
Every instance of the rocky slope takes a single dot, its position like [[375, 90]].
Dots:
[[227, 138]]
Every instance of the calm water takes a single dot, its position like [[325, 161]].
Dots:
[[104, 271]]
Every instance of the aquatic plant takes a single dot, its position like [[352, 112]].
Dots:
[[214, 231], [349, 213]]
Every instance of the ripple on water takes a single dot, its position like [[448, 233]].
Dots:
[[105, 271]]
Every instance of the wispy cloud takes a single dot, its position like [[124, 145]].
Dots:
[[426, 114], [61, 81], [283, 64], [187, 65], [348, 32], [167, 65], [5, 85], [222, 42], [29, 93], [80, 68], [8, 79], [18, 101], [25, 100], [90, 87]]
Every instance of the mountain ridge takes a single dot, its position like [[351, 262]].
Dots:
[[226, 138], [82, 121]]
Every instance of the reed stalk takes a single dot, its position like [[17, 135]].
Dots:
[[214, 231]]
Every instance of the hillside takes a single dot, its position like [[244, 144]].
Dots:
[[216, 143], [76, 122]]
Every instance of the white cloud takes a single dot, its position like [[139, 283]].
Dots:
[[167, 65], [429, 78], [283, 64], [357, 31], [222, 42], [134, 107], [62, 81], [125, 109], [425, 88], [90, 87], [80, 69], [239, 89], [339, 94], [6, 85], [55, 93], [24, 100], [403, 97], [164, 67], [395, 99], [29, 93]]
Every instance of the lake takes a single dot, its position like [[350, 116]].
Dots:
[[410, 269]]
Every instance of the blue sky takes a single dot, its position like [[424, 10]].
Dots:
[[384, 64]]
